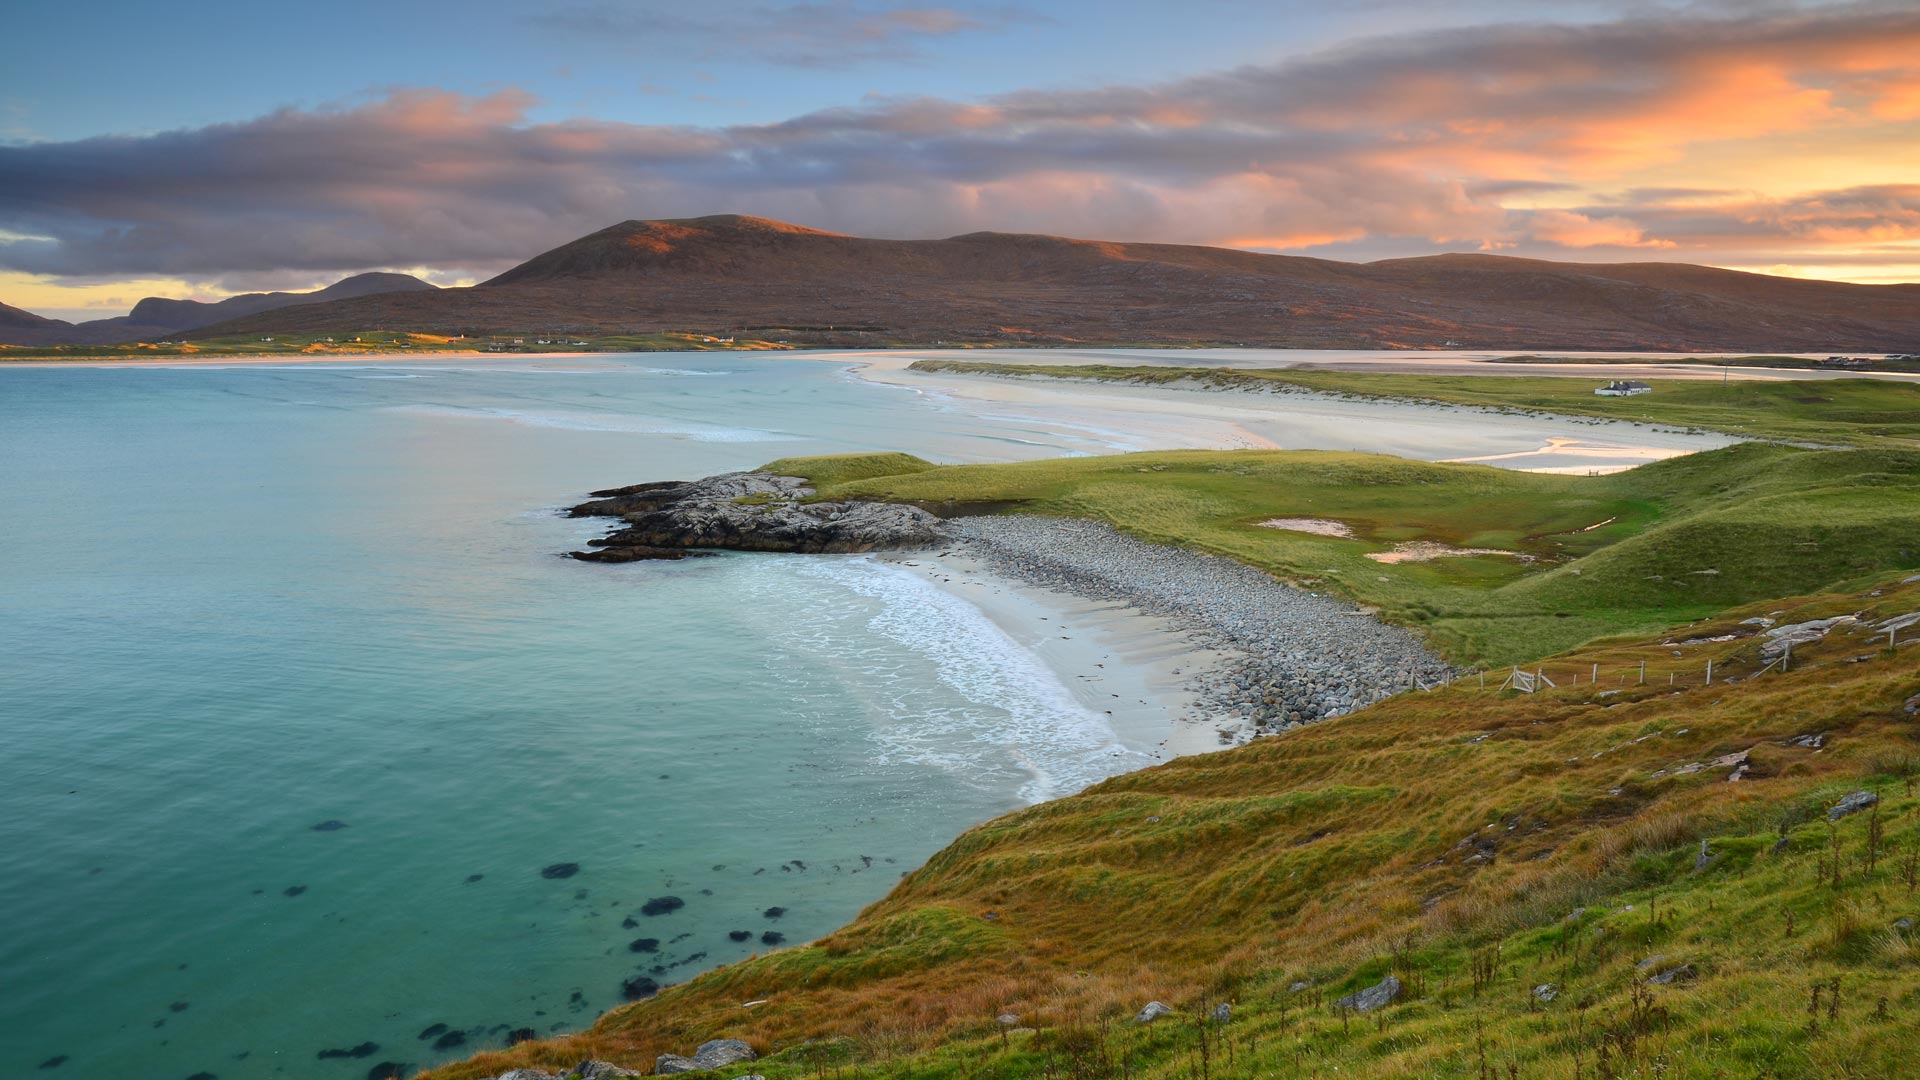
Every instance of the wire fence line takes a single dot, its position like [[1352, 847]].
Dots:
[[1536, 678]]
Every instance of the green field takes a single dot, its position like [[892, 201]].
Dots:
[[1630, 552], [1790, 363], [1838, 412]]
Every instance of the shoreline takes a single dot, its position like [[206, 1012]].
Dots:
[[1134, 667]]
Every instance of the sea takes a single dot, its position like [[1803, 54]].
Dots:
[[311, 742]]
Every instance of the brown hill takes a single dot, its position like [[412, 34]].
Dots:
[[767, 278], [157, 316]]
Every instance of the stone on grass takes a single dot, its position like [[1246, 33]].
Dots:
[[1545, 993], [1222, 1013], [1151, 1012], [601, 1070], [1373, 997], [1852, 804]]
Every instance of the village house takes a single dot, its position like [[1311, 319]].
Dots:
[[1624, 388]]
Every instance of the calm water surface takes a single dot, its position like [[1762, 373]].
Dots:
[[239, 602]]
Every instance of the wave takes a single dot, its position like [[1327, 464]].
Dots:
[[1016, 714]]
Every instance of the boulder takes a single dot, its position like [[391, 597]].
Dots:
[[1222, 1013], [601, 1070], [1151, 1012], [714, 1054], [1852, 804], [1373, 997], [1545, 993], [718, 1053], [1682, 973], [530, 1074]]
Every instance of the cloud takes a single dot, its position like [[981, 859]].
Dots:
[[832, 34], [1391, 144]]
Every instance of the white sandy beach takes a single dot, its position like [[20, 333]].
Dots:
[[1117, 661]]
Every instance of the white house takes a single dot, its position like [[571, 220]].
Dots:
[[1624, 388]]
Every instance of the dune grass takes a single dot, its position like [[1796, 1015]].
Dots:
[[1474, 844], [1584, 556], [1837, 412]]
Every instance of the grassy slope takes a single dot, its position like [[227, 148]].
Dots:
[[1685, 537], [1850, 412], [1342, 851]]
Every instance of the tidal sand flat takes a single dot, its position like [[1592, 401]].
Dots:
[[1172, 417]]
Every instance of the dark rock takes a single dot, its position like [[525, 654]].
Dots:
[[637, 987], [774, 912], [203, 1076], [772, 937], [389, 1070], [294, 890], [661, 905], [450, 1040], [709, 514], [179, 1007], [1852, 804], [1373, 997], [560, 870], [739, 935], [629, 923], [54, 1062], [471, 878], [433, 1031], [520, 1035], [645, 944], [330, 825], [601, 1070], [365, 1049]]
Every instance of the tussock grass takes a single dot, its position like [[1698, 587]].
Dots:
[[1474, 844]]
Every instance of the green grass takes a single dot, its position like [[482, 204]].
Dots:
[[1841, 412], [1681, 539], [1473, 843], [1798, 363]]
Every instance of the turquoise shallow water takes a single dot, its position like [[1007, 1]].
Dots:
[[236, 603]]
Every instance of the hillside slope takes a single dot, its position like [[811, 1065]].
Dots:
[[732, 274], [1624, 878], [156, 316]]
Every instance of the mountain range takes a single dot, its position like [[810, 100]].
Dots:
[[751, 276], [156, 316]]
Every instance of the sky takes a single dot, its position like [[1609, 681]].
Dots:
[[219, 147]]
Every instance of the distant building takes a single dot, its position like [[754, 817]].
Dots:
[[1624, 388]]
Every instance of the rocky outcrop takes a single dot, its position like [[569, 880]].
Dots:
[[716, 1054], [746, 511]]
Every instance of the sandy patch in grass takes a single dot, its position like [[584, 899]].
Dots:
[[1428, 550], [1316, 526]]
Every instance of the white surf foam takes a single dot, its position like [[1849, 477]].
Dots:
[[1016, 712]]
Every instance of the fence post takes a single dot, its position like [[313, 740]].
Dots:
[[1709, 673], [1596, 675], [1643, 672]]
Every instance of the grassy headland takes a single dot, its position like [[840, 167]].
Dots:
[[1584, 556], [1474, 844], [1840, 412], [1789, 363]]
